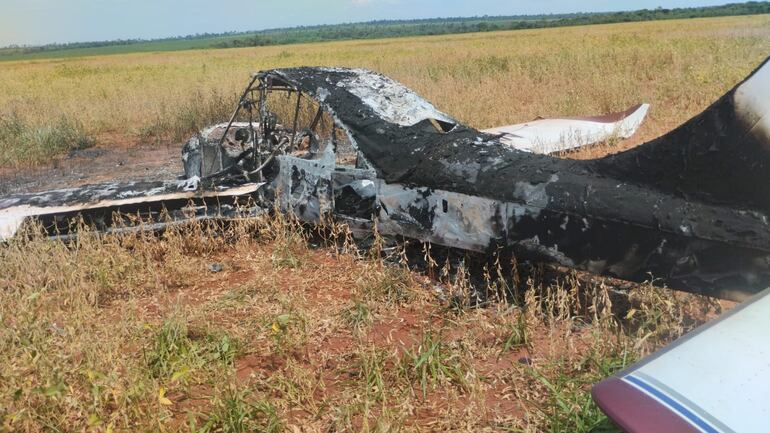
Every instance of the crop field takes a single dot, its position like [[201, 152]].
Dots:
[[268, 325], [50, 106]]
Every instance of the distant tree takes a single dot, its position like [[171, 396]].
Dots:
[[395, 28]]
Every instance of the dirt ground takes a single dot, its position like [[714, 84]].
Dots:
[[101, 163]]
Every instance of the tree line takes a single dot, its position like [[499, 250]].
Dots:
[[418, 27]]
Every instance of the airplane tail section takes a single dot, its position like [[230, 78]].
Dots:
[[722, 155]]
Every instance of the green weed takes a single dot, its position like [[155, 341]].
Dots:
[[518, 334], [24, 143], [174, 355], [234, 413], [433, 363], [358, 315], [382, 283]]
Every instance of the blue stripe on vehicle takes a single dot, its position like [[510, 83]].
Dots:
[[673, 404], [684, 401]]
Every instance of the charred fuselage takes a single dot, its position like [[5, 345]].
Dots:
[[689, 209]]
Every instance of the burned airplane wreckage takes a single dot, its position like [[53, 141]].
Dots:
[[690, 208]]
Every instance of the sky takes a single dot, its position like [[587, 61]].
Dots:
[[36, 22]]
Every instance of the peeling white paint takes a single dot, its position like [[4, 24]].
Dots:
[[190, 184], [322, 94], [391, 100], [532, 194], [467, 170], [467, 223]]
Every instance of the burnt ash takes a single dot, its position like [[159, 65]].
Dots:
[[665, 209]]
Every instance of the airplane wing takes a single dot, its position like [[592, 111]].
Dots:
[[160, 200], [554, 135], [714, 380]]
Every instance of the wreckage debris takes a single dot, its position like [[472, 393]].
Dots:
[[689, 208], [556, 135]]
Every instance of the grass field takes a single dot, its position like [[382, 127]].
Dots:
[[135, 333], [296, 333], [487, 79]]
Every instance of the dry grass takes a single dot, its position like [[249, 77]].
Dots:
[[135, 333], [485, 80]]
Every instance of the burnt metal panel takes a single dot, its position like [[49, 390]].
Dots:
[[304, 187]]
